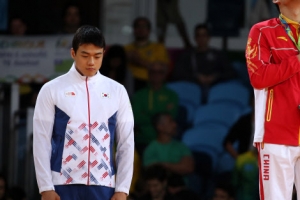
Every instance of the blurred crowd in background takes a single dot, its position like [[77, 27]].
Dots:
[[192, 106]]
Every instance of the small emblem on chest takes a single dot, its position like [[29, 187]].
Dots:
[[105, 95], [70, 94]]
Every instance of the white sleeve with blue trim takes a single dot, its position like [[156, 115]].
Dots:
[[43, 120], [125, 144]]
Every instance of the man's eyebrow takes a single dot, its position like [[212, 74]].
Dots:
[[98, 53]]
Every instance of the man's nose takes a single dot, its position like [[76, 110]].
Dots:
[[91, 61]]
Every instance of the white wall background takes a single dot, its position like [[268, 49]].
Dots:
[[119, 15]]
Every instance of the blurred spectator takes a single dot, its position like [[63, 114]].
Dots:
[[202, 64], [16, 193], [72, 18], [177, 188], [115, 67], [167, 11], [246, 177], [142, 52], [140, 189], [156, 180], [28, 94], [241, 133], [17, 26], [223, 191], [171, 154], [154, 98], [3, 187]]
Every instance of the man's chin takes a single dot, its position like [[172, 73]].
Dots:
[[90, 74]]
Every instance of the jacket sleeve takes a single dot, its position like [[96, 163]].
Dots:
[[43, 120], [262, 72], [125, 144]]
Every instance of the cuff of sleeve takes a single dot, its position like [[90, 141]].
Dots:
[[46, 188], [122, 189]]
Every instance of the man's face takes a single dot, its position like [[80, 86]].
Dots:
[[17, 27], [202, 38], [141, 30], [72, 17], [157, 73], [88, 59], [221, 195], [156, 188], [285, 2], [168, 125]]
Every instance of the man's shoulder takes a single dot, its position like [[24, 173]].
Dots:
[[169, 92], [111, 82], [129, 46], [156, 45], [150, 44], [271, 23], [112, 86], [178, 143], [153, 144], [56, 81]]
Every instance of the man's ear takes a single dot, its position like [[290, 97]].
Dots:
[[72, 53]]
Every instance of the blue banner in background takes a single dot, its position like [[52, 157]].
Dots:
[[3, 14]]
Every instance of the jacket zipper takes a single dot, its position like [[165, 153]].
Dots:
[[89, 122]]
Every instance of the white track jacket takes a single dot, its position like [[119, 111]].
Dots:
[[77, 120]]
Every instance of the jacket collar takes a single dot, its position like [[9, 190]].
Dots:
[[78, 76]]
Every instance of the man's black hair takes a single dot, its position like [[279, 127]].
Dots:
[[176, 180], [17, 17], [68, 5], [201, 26], [88, 35], [277, 6], [138, 19], [157, 172]]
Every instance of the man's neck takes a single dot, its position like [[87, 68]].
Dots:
[[162, 138], [156, 87], [202, 49], [141, 42], [70, 29], [291, 11], [161, 197], [158, 198]]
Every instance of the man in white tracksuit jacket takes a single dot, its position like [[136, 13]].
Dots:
[[78, 118]]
